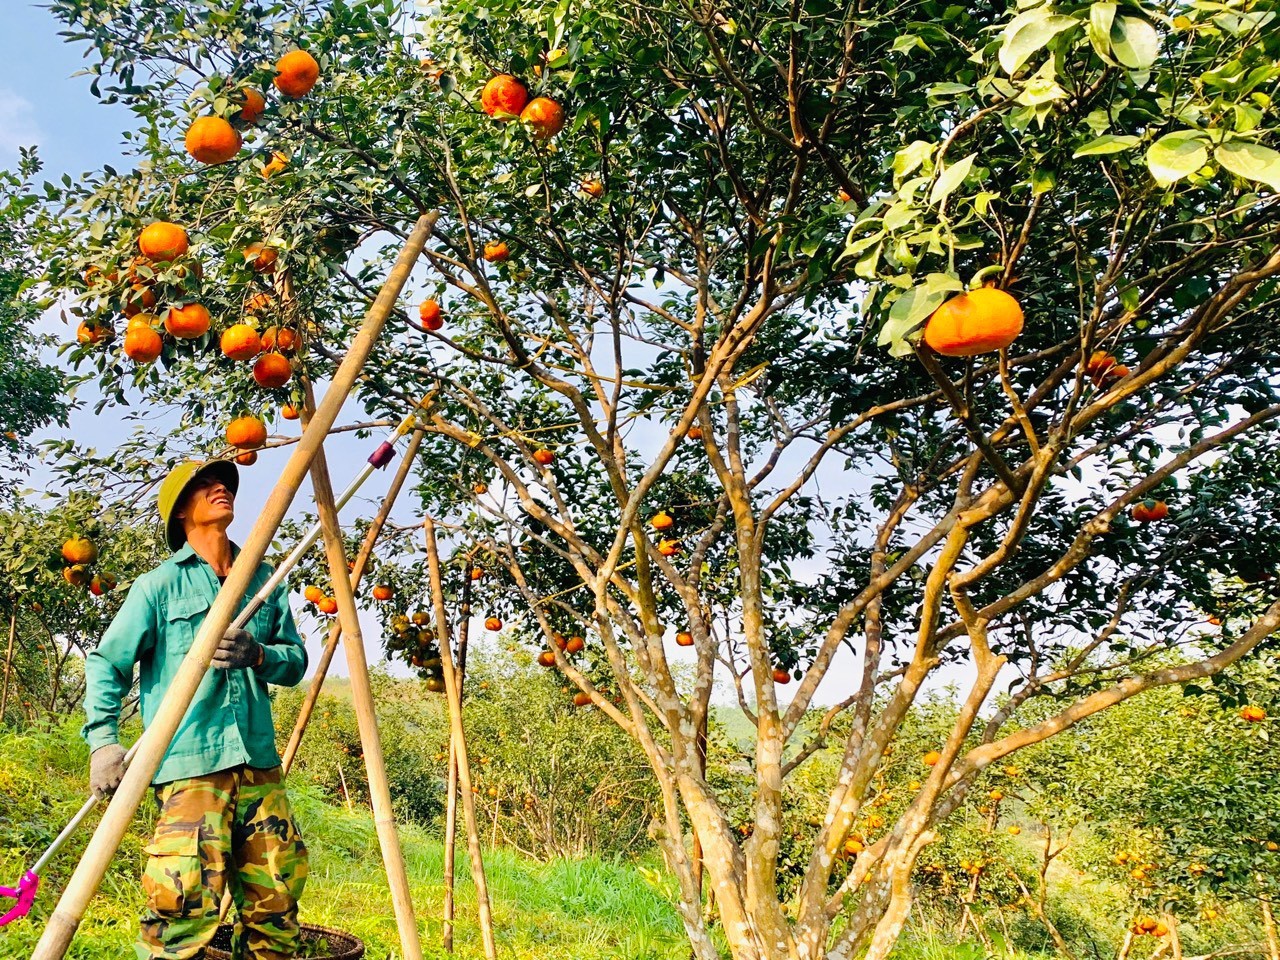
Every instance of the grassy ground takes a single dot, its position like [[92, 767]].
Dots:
[[584, 909]]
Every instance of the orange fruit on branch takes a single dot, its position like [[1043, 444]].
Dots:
[[781, 676], [547, 659], [545, 116], [77, 575], [581, 698], [503, 97], [592, 187], [661, 521], [246, 433], [575, 645], [931, 758], [1150, 511], [260, 257], [141, 298], [90, 333], [313, 594], [289, 412], [543, 457], [252, 105], [79, 550], [383, 592], [241, 342], [695, 432], [296, 73], [188, 322], [684, 639], [492, 623], [141, 343], [279, 339], [429, 314], [477, 573], [328, 605], [854, 846], [496, 251], [212, 140], [668, 548], [272, 370], [276, 164], [248, 458], [163, 241], [975, 322]]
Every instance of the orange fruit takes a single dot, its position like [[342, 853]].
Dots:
[[383, 592], [592, 187], [79, 550], [547, 659], [1149, 512], [695, 432], [142, 298], [975, 322], [212, 140], [661, 521], [1014, 830], [296, 73], [668, 548], [187, 322], [281, 339], [843, 195], [277, 163], [560, 640], [684, 639], [575, 645], [142, 344], [241, 342], [289, 412], [261, 258], [931, 758], [272, 370], [477, 573], [495, 251], [581, 698], [1254, 714], [854, 846], [77, 575], [252, 105], [780, 675], [247, 433], [258, 303], [87, 333], [313, 594], [492, 623], [503, 97], [543, 457], [328, 605], [429, 314], [248, 458], [480, 489], [545, 116], [163, 241]]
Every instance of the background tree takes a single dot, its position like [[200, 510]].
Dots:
[[702, 300]]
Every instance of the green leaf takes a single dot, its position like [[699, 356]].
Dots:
[[1110, 143], [1251, 161], [911, 309], [950, 179], [1134, 42], [1029, 32], [1177, 155], [1101, 17]]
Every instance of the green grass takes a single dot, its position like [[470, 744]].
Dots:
[[582, 909]]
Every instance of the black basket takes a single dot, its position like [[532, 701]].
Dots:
[[318, 943]]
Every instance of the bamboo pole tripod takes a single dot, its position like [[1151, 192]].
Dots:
[[155, 740], [458, 741]]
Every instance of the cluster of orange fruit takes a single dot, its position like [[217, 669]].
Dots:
[[570, 646], [661, 522], [1149, 925], [81, 554], [1104, 370], [324, 603]]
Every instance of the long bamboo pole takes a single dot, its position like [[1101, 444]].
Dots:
[[357, 573], [384, 821], [451, 808], [453, 690], [155, 740]]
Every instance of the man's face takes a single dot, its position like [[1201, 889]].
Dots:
[[208, 503]]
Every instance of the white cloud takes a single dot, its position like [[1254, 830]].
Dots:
[[18, 127]]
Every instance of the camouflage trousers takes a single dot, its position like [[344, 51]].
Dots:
[[227, 830]]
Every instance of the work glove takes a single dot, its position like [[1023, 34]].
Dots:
[[106, 770], [237, 650]]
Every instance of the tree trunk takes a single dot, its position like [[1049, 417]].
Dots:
[[8, 662], [1269, 927]]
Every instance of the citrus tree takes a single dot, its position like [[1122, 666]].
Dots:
[[935, 334]]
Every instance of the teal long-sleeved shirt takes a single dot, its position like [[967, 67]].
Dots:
[[229, 721]]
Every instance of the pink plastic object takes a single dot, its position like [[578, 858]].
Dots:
[[24, 896]]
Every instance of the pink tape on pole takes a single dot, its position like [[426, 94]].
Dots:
[[25, 896], [382, 456]]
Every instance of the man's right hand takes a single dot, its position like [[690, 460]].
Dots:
[[106, 770]]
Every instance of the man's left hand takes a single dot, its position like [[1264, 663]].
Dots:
[[237, 650]]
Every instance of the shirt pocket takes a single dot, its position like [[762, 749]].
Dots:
[[183, 617]]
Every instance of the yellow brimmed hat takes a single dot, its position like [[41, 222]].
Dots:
[[175, 487]]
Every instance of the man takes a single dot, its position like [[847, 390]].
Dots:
[[224, 817]]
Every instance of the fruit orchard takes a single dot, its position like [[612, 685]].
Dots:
[[941, 339]]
